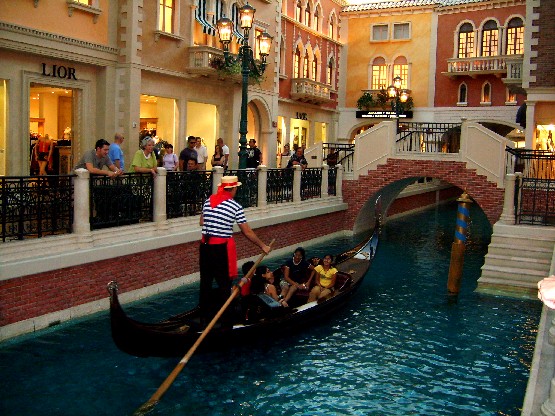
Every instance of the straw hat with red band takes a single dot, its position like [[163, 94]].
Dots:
[[230, 182]]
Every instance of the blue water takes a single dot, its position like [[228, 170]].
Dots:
[[400, 347]]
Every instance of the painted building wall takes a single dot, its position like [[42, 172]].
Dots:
[[449, 21]]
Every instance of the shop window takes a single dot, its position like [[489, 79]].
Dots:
[[379, 74], [515, 36], [490, 39], [380, 32], [463, 95], [486, 94], [401, 31], [466, 41]]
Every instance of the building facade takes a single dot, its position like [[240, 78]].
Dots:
[[83, 70]]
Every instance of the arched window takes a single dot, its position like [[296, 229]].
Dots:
[[463, 94], [307, 15], [510, 97], [330, 71], [315, 68], [466, 41], [297, 64], [331, 28], [379, 74], [515, 36], [298, 11], [401, 69], [490, 38], [316, 18], [486, 93], [306, 65]]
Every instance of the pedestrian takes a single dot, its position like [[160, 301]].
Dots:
[[254, 155], [188, 153], [96, 159], [202, 154], [218, 256], [170, 160], [225, 151], [115, 152], [144, 160]]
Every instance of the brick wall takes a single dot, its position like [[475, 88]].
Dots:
[[485, 193], [35, 295]]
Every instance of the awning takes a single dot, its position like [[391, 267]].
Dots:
[[200, 16]]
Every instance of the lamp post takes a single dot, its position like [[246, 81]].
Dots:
[[397, 97], [248, 65]]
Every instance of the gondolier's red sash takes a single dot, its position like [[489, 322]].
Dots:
[[231, 253]]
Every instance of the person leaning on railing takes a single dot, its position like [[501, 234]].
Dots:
[[298, 159], [96, 159], [144, 160]]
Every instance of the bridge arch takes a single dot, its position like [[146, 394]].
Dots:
[[390, 179]]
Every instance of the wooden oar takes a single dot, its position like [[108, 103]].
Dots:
[[149, 405]]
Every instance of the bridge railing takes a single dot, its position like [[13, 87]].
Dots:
[[429, 137], [34, 207], [339, 153], [535, 189]]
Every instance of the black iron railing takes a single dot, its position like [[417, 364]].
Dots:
[[429, 137], [339, 153], [311, 183], [35, 206], [535, 190], [186, 192], [279, 185], [122, 200], [247, 194]]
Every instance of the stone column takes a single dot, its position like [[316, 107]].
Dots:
[[339, 182], [262, 182], [508, 214], [297, 183], [159, 214], [217, 174], [81, 204], [325, 171]]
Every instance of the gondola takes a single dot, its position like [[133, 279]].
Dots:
[[175, 335]]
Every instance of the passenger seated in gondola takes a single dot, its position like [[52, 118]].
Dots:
[[263, 286], [295, 275], [325, 275]]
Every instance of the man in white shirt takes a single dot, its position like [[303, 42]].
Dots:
[[225, 151], [202, 154]]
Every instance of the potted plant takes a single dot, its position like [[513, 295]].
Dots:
[[366, 101]]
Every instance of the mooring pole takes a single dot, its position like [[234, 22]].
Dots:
[[458, 246]]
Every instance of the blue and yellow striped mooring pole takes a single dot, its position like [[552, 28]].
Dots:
[[458, 246]]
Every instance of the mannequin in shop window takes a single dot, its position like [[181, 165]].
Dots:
[[43, 153]]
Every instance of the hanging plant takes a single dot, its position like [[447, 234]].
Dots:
[[233, 68]]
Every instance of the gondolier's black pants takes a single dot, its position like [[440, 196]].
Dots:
[[213, 266]]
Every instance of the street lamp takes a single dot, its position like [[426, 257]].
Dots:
[[248, 64], [397, 96]]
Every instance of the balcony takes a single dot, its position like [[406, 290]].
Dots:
[[308, 91], [511, 65], [200, 58]]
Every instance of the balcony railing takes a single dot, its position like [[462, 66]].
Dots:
[[200, 58], [306, 90], [505, 64], [428, 138]]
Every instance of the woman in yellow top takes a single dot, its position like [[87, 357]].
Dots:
[[325, 279], [144, 160]]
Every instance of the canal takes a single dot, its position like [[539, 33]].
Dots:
[[401, 346]]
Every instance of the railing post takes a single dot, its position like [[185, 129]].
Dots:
[[159, 194], [325, 173], [81, 203], [297, 183], [262, 182], [508, 214], [339, 182], [217, 174]]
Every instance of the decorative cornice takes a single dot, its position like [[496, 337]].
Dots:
[[306, 29], [39, 34]]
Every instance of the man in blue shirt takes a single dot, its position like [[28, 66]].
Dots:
[[116, 153]]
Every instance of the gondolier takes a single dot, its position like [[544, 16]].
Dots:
[[218, 256]]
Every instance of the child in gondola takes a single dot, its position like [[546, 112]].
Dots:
[[263, 284]]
